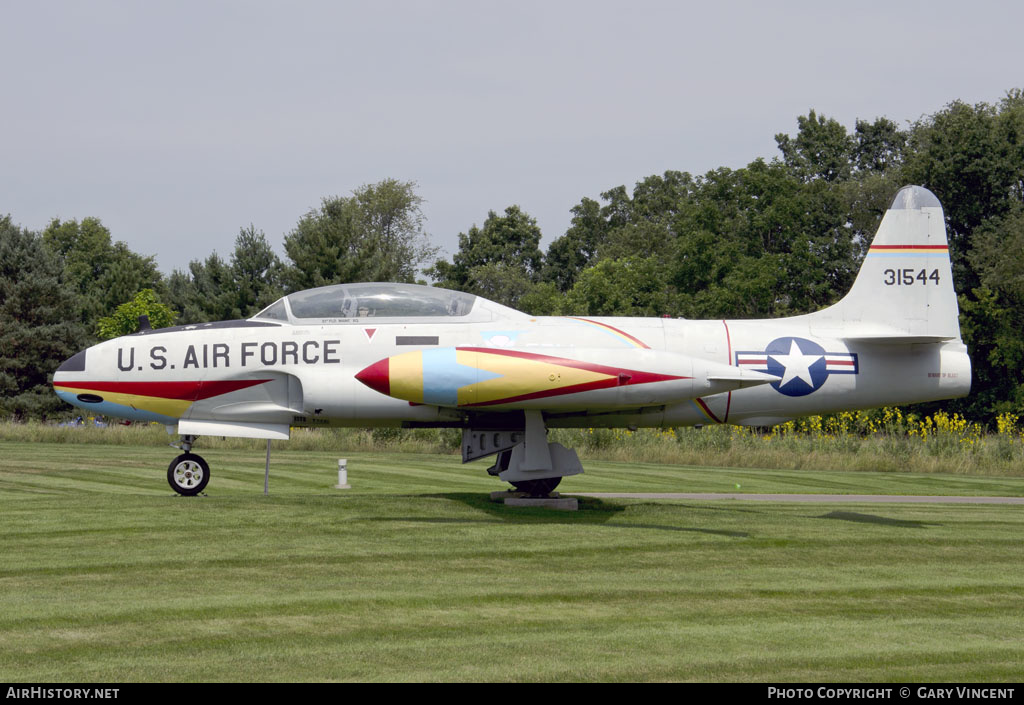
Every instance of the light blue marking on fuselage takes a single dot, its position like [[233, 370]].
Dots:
[[109, 408], [442, 376], [501, 338]]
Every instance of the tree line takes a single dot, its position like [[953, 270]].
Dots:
[[774, 238]]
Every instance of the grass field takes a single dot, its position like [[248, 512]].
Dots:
[[414, 575]]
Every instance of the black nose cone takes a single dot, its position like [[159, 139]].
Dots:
[[75, 363]]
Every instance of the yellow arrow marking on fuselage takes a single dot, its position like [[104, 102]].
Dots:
[[519, 376], [157, 405]]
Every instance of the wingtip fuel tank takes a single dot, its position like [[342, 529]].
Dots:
[[505, 379]]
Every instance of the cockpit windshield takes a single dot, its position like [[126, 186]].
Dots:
[[344, 302]]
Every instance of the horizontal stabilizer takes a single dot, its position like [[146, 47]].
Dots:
[[897, 339], [744, 378]]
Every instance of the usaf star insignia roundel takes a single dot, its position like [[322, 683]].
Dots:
[[801, 365]]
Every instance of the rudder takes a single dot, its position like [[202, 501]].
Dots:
[[904, 289]]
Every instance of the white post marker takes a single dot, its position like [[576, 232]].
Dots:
[[266, 475], [342, 475]]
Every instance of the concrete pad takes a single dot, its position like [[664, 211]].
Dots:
[[502, 495], [522, 499], [567, 504]]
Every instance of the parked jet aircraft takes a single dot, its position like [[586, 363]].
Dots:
[[413, 356]]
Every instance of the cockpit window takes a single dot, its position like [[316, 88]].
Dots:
[[348, 301], [274, 311]]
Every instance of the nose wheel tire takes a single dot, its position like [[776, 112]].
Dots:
[[188, 474]]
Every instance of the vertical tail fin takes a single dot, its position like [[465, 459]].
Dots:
[[904, 290]]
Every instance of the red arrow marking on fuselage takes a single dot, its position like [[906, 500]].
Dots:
[[187, 391]]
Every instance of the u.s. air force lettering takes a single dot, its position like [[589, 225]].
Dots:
[[225, 355]]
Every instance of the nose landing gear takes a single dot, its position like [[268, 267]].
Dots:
[[188, 473]]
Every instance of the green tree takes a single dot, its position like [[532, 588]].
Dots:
[[374, 235], [215, 290], [993, 315], [207, 292], [760, 241], [629, 224], [104, 273], [991, 330], [542, 299], [125, 319], [256, 272], [39, 323], [972, 157], [879, 146], [499, 282], [508, 242], [571, 253], [633, 286], [822, 149]]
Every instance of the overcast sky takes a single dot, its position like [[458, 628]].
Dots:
[[177, 123]]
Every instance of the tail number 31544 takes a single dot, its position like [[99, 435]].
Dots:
[[908, 277]]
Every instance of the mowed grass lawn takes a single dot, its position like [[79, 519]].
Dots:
[[414, 574]]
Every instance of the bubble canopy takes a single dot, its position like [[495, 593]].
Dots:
[[342, 303]]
